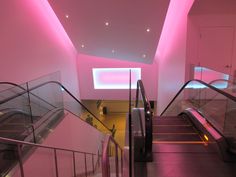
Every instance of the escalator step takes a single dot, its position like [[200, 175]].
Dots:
[[176, 137], [170, 121], [185, 147], [173, 129]]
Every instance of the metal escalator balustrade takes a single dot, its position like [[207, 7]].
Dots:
[[193, 142], [142, 125], [37, 102], [216, 106], [51, 93]]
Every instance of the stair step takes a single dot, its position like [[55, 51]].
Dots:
[[190, 147], [170, 121], [173, 129], [176, 137]]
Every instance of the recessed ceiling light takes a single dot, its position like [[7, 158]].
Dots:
[[107, 23], [148, 30], [144, 55], [82, 46], [67, 16]]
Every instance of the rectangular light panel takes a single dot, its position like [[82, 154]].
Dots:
[[115, 78]]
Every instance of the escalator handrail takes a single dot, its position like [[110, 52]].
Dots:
[[13, 84], [148, 117], [65, 89], [24, 91], [204, 83], [143, 94]]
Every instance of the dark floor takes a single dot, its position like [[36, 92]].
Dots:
[[179, 151], [181, 164]]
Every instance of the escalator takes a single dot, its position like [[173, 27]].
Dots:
[[31, 114], [194, 136], [14, 123]]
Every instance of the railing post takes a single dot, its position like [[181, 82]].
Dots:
[[74, 169], [20, 160], [93, 164], [55, 158], [121, 162], [85, 165], [130, 128], [117, 161]]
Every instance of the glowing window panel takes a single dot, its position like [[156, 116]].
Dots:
[[115, 78], [209, 76]]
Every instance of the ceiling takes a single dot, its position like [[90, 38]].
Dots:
[[201, 7], [119, 29]]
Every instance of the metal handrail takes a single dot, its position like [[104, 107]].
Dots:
[[20, 144], [203, 83], [105, 157], [66, 90]]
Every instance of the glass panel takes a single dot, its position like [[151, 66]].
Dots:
[[8, 157], [71, 105], [218, 109], [15, 114]]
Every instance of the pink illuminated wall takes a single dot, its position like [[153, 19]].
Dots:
[[171, 52], [33, 43], [221, 50], [87, 63]]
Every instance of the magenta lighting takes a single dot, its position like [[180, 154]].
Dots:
[[115, 78]]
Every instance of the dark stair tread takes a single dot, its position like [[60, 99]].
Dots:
[[185, 147], [167, 117], [176, 120], [173, 129], [176, 137]]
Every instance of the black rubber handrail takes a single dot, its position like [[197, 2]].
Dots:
[[13, 84], [51, 82], [229, 96], [24, 89], [148, 119]]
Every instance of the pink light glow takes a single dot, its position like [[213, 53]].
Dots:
[[45, 16], [176, 15], [115, 78]]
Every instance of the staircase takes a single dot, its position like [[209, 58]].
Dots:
[[179, 150], [174, 129]]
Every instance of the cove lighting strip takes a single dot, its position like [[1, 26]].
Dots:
[[115, 78]]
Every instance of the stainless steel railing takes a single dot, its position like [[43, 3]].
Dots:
[[20, 145], [107, 154]]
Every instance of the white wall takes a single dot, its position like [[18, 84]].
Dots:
[[171, 52], [87, 91], [226, 48], [34, 44]]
